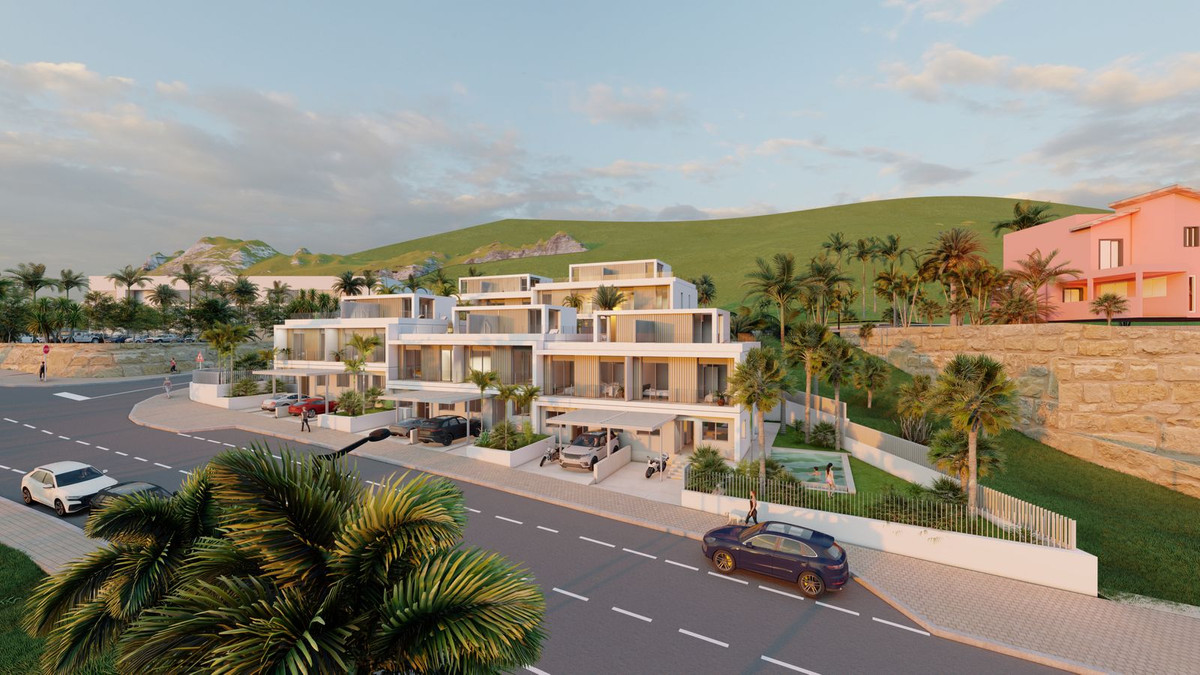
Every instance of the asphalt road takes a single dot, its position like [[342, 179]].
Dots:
[[620, 598]]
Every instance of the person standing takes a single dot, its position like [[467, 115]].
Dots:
[[167, 386], [753, 512], [173, 368], [306, 415], [829, 483], [42, 371]]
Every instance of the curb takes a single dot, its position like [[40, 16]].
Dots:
[[236, 427]]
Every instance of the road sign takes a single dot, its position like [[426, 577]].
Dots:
[[200, 357], [45, 349]]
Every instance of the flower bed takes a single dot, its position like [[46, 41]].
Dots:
[[509, 458], [357, 423]]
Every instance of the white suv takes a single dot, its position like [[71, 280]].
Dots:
[[67, 487], [587, 449]]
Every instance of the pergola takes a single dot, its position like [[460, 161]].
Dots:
[[615, 419], [432, 396], [298, 373]]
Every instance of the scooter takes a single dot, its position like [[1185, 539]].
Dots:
[[552, 454], [656, 463]]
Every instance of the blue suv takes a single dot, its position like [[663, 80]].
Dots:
[[811, 559]]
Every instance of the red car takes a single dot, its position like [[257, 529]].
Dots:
[[317, 404]]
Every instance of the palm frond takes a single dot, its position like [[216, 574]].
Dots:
[[88, 631], [78, 584]]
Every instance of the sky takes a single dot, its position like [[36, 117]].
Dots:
[[133, 127]]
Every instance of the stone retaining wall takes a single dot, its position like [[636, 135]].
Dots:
[[106, 359], [1127, 398]]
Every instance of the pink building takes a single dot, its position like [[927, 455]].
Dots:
[[1148, 250]]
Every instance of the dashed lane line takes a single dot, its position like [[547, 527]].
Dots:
[[162, 465], [123, 454], [212, 441], [569, 594], [183, 471], [728, 578], [597, 541], [508, 520], [779, 592], [473, 510], [896, 625], [48, 433], [101, 447], [65, 438], [785, 664], [184, 435], [229, 445], [644, 555], [16, 470], [629, 613], [140, 459], [548, 529], [10, 420], [6, 468], [705, 638], [679, 564], [536, 671], [30, 426], [840, 609], [83, 443]]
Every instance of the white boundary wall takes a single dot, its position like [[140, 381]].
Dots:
[[503, 457], [613, 463], [357, 424], [213, 394], [1064, 569]]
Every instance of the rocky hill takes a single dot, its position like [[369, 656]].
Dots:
[[217, 256]]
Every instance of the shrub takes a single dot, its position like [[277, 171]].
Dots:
[[528, 436], [371, 397], [947, 490], [775, 470], [246, 386], [280, 386], [484, 440], [250, 361], [824, 435], [916, 429], [350, 403]]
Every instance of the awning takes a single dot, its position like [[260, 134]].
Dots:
[[297, 372], [631, 421], [434, 396]]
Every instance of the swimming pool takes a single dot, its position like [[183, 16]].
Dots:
[[802, 462]]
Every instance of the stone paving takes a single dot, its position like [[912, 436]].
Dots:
[[50, 542], [1058, 628]]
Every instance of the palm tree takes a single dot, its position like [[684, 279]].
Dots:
[[70, 315], [129, 276], [838, 366], [69, 280], [890, 250], [913, 405], [1015, 302], [949, 451], [190, 276], [776, 281], [44, 318], [865, 332], [412, 284], [758, 383], [279, 292], [863, 252], [824, 280], [975, 394], [162, 296], [836, 245], [243, 292], [32, 276], [483, 379], [363, 346], [607, 298], [1040, 271], [343, 579], [951, 251], [506, 394], [808, 347], [370, 280], [1109, 304], [347, 284], [872, 374], [1025, 215], [574, 300], [439, 283], [706, 290], [224, 339], [525, 397]]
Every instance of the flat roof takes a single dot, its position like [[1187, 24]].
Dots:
[[635, 421]]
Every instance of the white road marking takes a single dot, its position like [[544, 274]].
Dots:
[[123, 454], [101, 447], [783, 664], [140, 459], [50, 433], [6, 468], [686, 567], [536, 671], [184, 435], [848, 611], [597, 541], [779, 592], [17, 471], [722, 576], [65, 438], [183, 471], [229, 445], [509, 520], [914, 630], [569, 594], [73, 397], [10, 420], [84, 443], [162, 465], [540, 527], [212, 441], [629, 613], [118, 393], [197, 438], [29, 425], [705, 638], [473, 510], [644, 555], [275, 456], [371, 482]]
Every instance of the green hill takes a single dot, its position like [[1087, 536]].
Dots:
[[724, 249]]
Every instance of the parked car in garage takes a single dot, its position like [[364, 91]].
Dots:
[[281, 399], [444, 429], [587, 449], [813, 560], [404, 426], [64, 486], [317, 404], [137, 487]]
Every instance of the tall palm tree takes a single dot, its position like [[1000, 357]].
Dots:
[[607, 298], [758, 383], [224, 338], [824, 280], [893, 252], [526, 395], [163, 296], [348, 284], [483, 379], [949, 451], [1040, 271], [273, 564], [506, 394], [279, 293], [243, 292], [1025, 215], [1109, 304], [864, 252], [807, 347], [364, 346], [412, 284], [1014, 302], [440, 283], [44, 318], [866, 331], [776, 281], [836, 245], [70, 315], [975, 394], [69, 280], [371, 280], [190, 276], [871, 375], [32, 276], [129, 276], [952, 250], [706, 290], [838, 364]]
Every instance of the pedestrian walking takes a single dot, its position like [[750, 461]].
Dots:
[[167, 386], [305, 416], [829, 476], [42, 372], [173, 368], [753, 512]]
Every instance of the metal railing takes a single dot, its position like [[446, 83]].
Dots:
[[315, 315], [895, 507], [217, 376]]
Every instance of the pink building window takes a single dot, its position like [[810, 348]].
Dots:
[[1191, 236], [1110, 253], [1072, 295]]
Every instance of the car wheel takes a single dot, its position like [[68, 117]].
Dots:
[[592, 464], [59, 508], [447, 439], [811, 584], [28, 498], [723, 560]]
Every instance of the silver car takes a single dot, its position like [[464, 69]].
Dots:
[[281, 400], [587, 449]]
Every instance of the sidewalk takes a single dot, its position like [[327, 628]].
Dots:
[[49, 541], [17, 378], [1058, 628]]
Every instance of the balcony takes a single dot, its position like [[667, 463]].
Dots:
[[648, 394], [415, 373], [613, 391]]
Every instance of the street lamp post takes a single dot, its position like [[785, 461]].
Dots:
[[376, 435]]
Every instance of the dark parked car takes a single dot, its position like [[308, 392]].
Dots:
[[317, 404], [443, 429], [811, 559], [103, 497]]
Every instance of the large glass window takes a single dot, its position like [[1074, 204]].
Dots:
[[612, 379], [715, 431], [480, 358], [1120, 288], [1072, 295], [1110, 253], [655, 381], [562, 377], [1154, 288]]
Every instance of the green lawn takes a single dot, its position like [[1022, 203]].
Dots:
[[1146, 536]]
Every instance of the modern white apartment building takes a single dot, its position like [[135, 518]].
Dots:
[[655, 368]]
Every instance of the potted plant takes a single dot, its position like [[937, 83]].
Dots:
[[722, 398]]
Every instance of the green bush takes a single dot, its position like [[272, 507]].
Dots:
[[371, 397], [280, 386], [246, 386], [946, 489], [824, 435], [506, 436], [350, 403]]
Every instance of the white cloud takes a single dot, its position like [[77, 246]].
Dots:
[[624, 168], [73, 82], [631, 107], [964, 12]]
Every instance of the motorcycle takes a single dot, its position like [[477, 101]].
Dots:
[[552, 454], [656, 463]]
